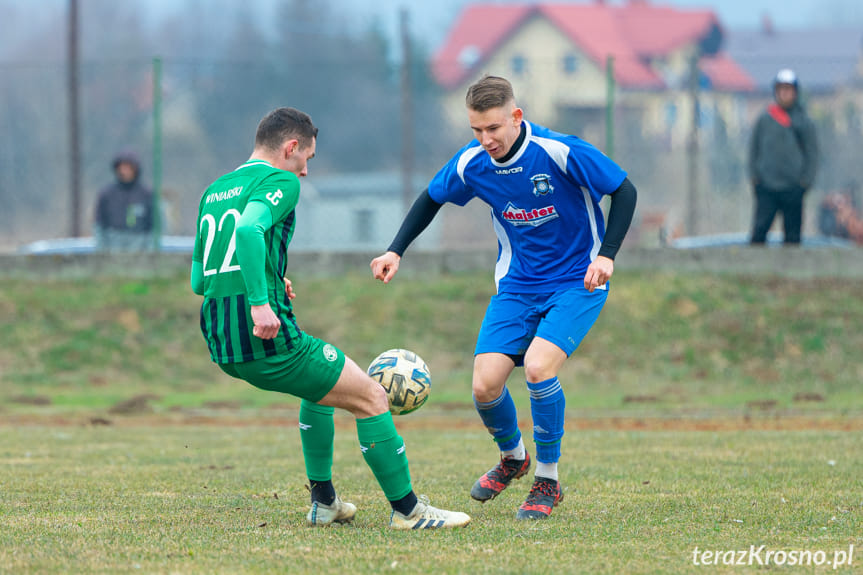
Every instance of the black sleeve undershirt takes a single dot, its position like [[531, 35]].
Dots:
[[425, 208], [419, 217], [620, 214], [619, 217]]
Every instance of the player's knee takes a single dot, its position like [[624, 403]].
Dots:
[[536, 371], [485, 390], [377, 397]]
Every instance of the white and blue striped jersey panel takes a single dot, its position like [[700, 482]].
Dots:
[[544, 203]]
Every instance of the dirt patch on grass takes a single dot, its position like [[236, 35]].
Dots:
[[762, 404], [640, 399], [463, 420], [31, 400], [804, 396], [227, 405], [134, 405]]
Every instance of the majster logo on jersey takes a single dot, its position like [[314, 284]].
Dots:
[[521, 217]]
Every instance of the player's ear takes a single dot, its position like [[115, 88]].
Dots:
[[290, 147], [517, 116]]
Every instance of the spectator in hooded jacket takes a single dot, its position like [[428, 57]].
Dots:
[[782, 161], [124, 211]]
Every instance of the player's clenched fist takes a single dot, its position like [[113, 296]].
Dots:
[[385, 267], [266, 322], [598, 273]]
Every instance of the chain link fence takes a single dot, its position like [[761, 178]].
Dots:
[[357, 186]]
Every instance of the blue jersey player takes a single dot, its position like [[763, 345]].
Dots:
[[555, 258]]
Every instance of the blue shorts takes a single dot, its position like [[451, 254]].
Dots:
[[563, 317]]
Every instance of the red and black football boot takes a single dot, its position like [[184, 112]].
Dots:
[[543, 497], [496, 480]]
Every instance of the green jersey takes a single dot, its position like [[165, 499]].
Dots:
[[245, 223]]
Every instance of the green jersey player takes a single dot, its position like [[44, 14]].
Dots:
[[245, 223]]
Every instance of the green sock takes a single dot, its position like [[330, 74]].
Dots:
[[317, 431], [384, 452]]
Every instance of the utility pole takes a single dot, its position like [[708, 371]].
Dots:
[[407, 114], [74, 121], [609, 106], [692, 148]]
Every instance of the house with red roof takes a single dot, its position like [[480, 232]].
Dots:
[[556, 55]]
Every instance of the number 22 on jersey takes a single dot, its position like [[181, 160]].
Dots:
[[212, 229]]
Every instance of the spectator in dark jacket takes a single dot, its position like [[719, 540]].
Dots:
[[124, 210], [782, 161]]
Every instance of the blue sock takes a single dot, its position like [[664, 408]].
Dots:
[[547, 405], [501, 420]]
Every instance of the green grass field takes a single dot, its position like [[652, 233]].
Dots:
[[669, 343], [230, 499], [708, 413]]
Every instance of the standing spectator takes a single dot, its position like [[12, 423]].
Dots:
[[124, 210], [782, 161]]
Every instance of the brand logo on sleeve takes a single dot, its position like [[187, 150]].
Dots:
[[274, 197]]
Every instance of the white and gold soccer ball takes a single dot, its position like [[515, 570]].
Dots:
[[404, 376]]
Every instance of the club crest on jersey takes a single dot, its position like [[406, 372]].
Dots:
[[521, 217], [541, 184]]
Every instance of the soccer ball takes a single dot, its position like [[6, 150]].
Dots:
[[405, 377]]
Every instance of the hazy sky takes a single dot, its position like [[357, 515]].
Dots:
[[430, 19], [436, 16]]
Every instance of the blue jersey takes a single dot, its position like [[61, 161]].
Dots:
[[544, 206]]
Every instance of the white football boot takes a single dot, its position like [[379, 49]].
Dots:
[[424, 516], [338, 512]]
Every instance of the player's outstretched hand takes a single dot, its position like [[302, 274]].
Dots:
[[289, 289], [385, 267], [266, 322], [598, 272]]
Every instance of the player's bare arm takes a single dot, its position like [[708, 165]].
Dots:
[[385, 266]]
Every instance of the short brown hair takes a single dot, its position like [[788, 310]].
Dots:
[[284, 124], [489, 92]]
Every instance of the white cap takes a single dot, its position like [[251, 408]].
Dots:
[[786, 76]]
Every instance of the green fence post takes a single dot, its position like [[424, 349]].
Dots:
[[157, 154]]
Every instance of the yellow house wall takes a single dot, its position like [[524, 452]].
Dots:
[[543, 86]]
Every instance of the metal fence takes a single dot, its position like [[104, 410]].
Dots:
[[210, 110]]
